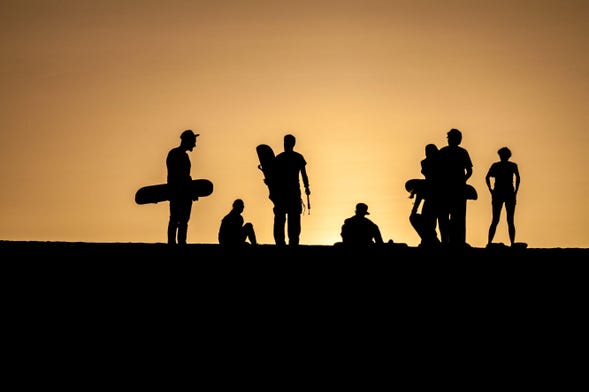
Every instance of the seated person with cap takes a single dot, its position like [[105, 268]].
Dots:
[[359, 231]]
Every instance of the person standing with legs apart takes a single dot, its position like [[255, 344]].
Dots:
[[289, 167], [179, 178], [503, 192], [455, 168]]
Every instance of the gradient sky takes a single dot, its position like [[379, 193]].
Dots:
[[95, 93]]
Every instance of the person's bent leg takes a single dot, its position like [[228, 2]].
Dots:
[[250, 234]]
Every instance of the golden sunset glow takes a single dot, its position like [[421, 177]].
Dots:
[[95, 93]]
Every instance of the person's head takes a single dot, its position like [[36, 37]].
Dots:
[[289, 142], [188, 139], [238, 205], [454, 137], [362, 209], [504, 153], [430, 150]]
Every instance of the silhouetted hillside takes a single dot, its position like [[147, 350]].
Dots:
[[121, 292], [209, 265], [316, 254]]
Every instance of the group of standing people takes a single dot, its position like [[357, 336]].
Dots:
[[442, 196], [444, 193]]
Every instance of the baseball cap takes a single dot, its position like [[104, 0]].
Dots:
[[189, 134], [362, 208]]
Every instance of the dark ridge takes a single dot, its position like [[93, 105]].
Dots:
[[315, 254], [157, 266], [118, 290]]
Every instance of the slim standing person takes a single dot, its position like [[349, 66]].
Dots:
[[290, 167], [179, 178], [503, 192]]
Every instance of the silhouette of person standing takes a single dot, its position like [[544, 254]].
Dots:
[[425, 196], [289, 166], [359, 231], [233, 231], [455, 168], [178, 166], [503, 192]]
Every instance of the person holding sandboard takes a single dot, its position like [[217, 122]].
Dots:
[[266, 157], [424, 192], [179, 179]]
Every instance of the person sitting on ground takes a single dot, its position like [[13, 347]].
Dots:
[[233, 231], [359, 231]]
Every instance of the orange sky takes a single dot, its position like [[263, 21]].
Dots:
[[95, 93]]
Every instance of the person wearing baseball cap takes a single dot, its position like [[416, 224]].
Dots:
[[178, 166], [189, 135], [359, 231]]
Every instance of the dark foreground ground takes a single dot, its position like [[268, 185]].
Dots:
[[384, 281], [207, 264], [318, 254], [393, 272], [293, 313]]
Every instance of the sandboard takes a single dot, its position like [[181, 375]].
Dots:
[[266, 158], [470, 193], [417, 185], [160, 192]]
